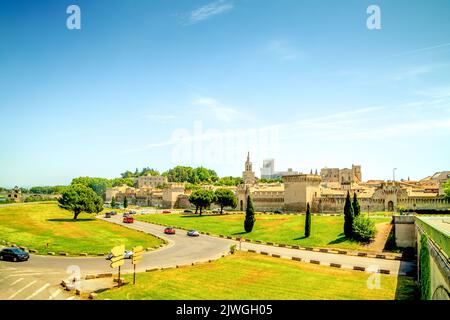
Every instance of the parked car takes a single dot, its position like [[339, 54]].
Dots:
[[187, 211], [166, 211], [127, 255], [108, 215], [14, 254], [126, 214], [169, 230], [193, 233], [278, 211], [215, 211], [113, 213], [133, 212], [128, 220]]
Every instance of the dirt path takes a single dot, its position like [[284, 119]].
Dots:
[[383, 230]]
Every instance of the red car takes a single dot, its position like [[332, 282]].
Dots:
[[166, 211], [169, 230], [128, 220]]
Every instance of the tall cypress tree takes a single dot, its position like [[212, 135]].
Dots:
[[249, 216], [125, 202], [308, 221], [348, 217], [356, 206], [113, 202]]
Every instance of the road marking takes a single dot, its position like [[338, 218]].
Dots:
[[37, 291], [54, 294], [70, 298], [32, 274], [1, 269], [17, 281], [19, 291]]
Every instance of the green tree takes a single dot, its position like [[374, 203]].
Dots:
[[225, 198], [308, 221], [113, 202], [202, 199], [356, 206], [447, 190], [125, 202], [249, 216], [79, 198], [348, 217], [424, 269], [122, 181], [99, 185]]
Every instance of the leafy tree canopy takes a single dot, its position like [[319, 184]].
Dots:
[[225, 198], [447, 190], [202, 198], [80, 198]]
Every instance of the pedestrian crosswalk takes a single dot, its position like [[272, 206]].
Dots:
[[31, 284]]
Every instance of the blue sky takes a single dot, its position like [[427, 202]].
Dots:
[[162, 83]]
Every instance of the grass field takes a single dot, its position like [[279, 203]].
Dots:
[[35, 225], [252, 276], [326, 231]]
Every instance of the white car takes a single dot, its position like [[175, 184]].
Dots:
[[127, 255], [193, 233]]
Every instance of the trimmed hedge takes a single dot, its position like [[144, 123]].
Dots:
[[424, 272], [363, 229]]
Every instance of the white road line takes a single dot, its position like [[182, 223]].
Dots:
[[6, 269], [54, 294], [37, 291], [17, 281], [19, 291], [70, 298], [32, 274]]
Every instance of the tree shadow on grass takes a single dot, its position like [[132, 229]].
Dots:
[[341, 238], [301, 238], [193, 216], [71, 220], [239, 233]]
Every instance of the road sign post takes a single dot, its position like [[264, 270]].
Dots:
[[240, 242], [117, 259], [135, 259]]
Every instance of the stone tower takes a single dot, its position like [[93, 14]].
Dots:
[[299, 190], [248, 175]]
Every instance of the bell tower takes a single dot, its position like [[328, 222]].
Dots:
[[248, 175]]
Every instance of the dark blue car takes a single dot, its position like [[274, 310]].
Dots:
[[14, 254]]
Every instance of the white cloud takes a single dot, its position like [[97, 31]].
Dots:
[[208, 11], [413, 72], [223, 113], [161, 117], [283, 50]]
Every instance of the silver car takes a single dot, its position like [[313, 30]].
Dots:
[[127, 255], [193, 233]]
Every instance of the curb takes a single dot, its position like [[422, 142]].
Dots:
[[317, 262]]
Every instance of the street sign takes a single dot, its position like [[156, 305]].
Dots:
[[118, 256], [135, 259], [118, 251], [117, 262], [137, 255]]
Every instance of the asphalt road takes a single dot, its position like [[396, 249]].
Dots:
[[39, 277]]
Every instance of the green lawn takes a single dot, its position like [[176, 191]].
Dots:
[[326, 231], [35, 225], [256, 277]]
